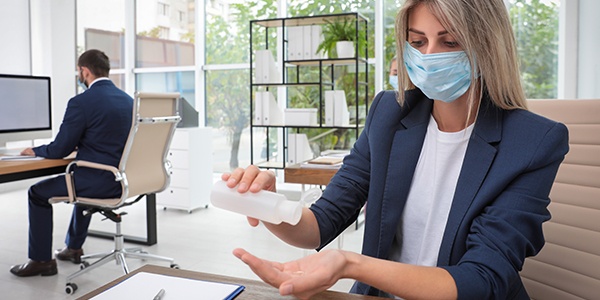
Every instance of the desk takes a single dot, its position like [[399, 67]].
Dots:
[[320, 176], [13, 170], [254, 289], [297, 174]]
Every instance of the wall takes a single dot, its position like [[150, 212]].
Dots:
[[15, 51], [53, 50]]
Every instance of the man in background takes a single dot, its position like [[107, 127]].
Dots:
[[393, 75], [96, 124]]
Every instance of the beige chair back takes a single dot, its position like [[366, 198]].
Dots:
[[144, 161], [568, 267]]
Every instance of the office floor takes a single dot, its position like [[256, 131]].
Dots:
[[200, 241]]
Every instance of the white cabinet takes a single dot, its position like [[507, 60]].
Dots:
[[191, 170]]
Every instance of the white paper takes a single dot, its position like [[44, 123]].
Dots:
[[144, 286]]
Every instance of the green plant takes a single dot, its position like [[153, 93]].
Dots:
[[341, 30]]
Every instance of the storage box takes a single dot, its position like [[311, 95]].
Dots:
[[301, 117]]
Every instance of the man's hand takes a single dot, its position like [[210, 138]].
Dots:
[[28, 152]]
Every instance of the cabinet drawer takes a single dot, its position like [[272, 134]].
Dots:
[[181, 140], [174, 197], [179, 158], [180, 178]]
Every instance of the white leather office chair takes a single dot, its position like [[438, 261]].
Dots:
[[143, 169], [568, 267]]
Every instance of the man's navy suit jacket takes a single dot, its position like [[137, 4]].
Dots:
[[96, 124], [499, 204]]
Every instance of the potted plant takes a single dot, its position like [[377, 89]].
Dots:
[[341, 35]]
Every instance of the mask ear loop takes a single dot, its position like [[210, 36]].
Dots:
[[310, 196]]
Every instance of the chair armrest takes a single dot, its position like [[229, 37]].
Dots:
[[91, 165]]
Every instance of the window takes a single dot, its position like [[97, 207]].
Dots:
[[99, 27], [163, 9], [162, 42], [535, 23], [165, 53]]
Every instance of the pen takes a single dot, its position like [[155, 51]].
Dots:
[[160, 294]]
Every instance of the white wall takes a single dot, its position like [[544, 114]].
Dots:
[[53, 50], [588, 75], [15, 50]]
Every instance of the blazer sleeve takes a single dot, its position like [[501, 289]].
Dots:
[[69, 135], [509, 229]]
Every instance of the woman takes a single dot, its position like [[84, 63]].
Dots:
[[456, 171]]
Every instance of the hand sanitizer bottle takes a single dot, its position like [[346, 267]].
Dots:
[[264, 205]]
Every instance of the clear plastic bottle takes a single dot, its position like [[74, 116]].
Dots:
[[264, 205]]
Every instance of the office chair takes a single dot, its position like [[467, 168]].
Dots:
[[143, 169], [568, 267]]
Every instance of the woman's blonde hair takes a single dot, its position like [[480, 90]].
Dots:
[[482, 28]]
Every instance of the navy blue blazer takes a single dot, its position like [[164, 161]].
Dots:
[[500, 201], [96, 123]]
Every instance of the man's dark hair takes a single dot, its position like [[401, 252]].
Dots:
[[96, 61]]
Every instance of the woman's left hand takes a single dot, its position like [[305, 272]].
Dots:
[[302, 278]]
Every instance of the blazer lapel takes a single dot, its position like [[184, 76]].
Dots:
[[404, 154], [478, 158]]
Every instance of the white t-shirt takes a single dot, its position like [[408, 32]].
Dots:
[[423, 222]]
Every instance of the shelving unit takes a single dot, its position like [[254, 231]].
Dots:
[[291, 71]]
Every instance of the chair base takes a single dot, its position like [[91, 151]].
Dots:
[[118, 254]]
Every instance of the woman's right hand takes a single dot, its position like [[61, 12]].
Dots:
[[251, 179]]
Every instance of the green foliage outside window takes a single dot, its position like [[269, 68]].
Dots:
[[535, 24]]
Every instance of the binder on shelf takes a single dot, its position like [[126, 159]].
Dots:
[[295, 40], [265, 68], [271, 113], [316, 39], [258, 108], [298, 148], [303, 42], [329, 100], [336, 108], [307, 42], [341, 116]]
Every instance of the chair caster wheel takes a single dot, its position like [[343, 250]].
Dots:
[[70, 288], [83, 265], [174, 266]]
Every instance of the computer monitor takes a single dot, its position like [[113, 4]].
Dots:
[[188, 114], [25, 108]]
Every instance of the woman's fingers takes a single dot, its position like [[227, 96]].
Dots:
[[269, 272], [250, 179]]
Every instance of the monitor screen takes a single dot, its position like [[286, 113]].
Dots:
[[25, 111]]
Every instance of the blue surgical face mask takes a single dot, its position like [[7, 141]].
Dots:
[[393, 81], [440, 76], [80, 83]]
